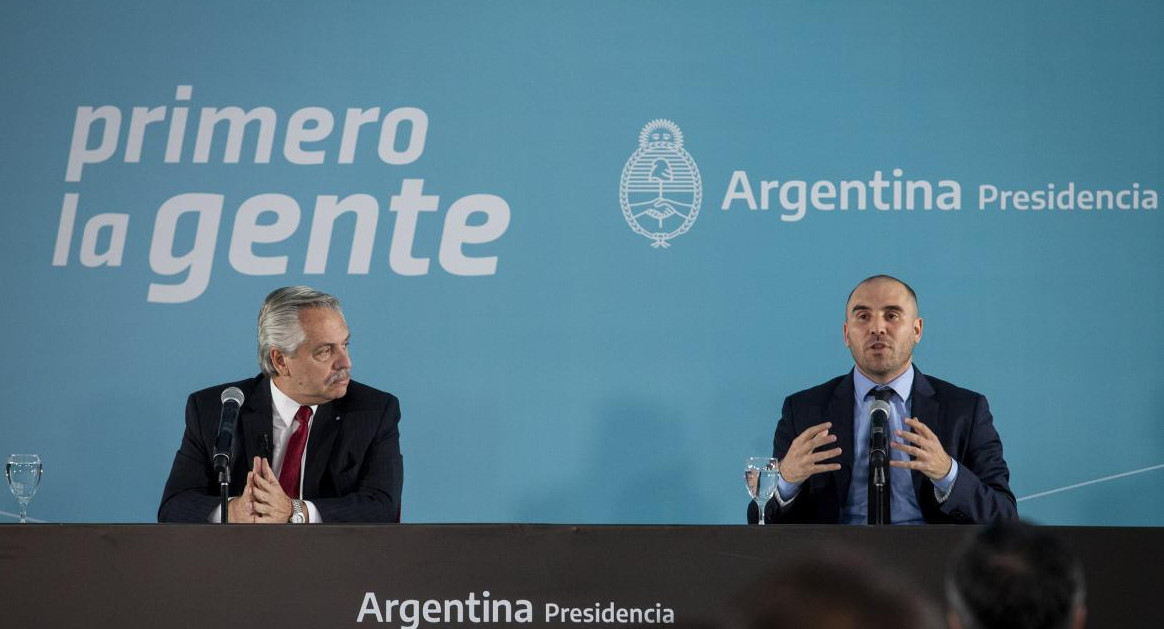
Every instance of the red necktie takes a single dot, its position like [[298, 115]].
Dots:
[[289, 475]]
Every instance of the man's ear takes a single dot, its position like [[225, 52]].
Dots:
[[279, 360]]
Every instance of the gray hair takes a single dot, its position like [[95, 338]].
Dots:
[[279, 326]]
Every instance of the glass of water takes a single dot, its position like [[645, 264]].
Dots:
[[23, 472], [760, 479]]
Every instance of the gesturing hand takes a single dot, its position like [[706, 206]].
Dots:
[[802, 460], [926, 452]]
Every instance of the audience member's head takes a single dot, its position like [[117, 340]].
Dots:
[[834, 592], [1015, 576]]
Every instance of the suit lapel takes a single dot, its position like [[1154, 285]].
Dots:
[[926, 408], [257, 418], [324, 428], [840, 413]]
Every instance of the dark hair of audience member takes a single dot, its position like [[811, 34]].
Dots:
[[1012, 575], [834, 591]]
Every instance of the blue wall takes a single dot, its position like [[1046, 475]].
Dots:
[[557, 367]]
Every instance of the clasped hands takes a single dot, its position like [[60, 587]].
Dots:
[[923, 447], [262, 500]]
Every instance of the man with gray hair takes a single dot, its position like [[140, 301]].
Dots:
[[312, 445]]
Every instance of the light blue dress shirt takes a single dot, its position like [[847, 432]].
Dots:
[[904, 508]]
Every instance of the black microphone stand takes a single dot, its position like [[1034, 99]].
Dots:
[[879, 472], [224, 443], [878, 468], [223, 487]]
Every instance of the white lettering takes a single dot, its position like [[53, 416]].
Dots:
[[766, 188], [141, 118], [117, 224], [792, 199], [237, 121], [248, 231], [299, 131], [79, 152], [178, 117], [987, 194], [198, 260], [823, 193], [950, 198], [410, 614], [186, 226], [1065, 199], [739, 188], [327, 210], [408, 205], [355, 119], [796, 197], [65, 229], [858, 190], [369, 606], [524, 611], [416, 139], [878, 185], [432, 611], [458, 232]]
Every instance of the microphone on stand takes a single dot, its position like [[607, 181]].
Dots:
[[879, 462], [232, 399], [878, 419]]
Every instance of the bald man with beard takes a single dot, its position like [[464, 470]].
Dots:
[[946, 462]]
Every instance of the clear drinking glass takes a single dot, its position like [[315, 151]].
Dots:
[[23, 472], [760, 479]]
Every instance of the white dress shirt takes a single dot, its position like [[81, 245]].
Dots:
[[283, 411]]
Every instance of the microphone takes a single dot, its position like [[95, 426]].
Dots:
[[879, 507], [232, 399], [879, 463], [878, 439]]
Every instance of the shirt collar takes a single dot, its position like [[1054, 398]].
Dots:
[[901, 385], [285, 407]]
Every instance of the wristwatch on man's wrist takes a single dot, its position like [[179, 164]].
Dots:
[[298, 516]]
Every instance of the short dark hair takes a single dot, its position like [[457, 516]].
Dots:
[[834, 590], [877, 278], [1013, 575]]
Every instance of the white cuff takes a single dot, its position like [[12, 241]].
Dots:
[[313, 516]]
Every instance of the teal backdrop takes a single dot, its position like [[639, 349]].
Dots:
[[582, 324]]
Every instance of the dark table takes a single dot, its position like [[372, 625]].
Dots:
[[335, 575]]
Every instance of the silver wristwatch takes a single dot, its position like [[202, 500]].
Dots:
[[297, 514]]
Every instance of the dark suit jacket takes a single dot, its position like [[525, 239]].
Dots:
[[961, 420], [354, 470]]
